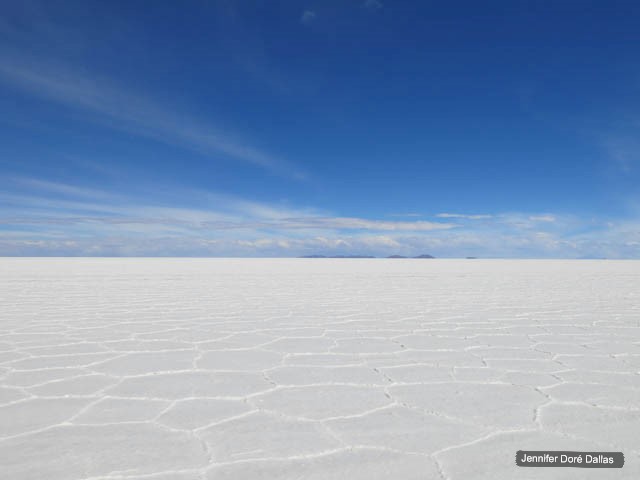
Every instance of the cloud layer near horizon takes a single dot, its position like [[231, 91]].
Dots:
[[48, 218]]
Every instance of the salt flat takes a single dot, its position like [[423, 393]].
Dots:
[[315, 368]]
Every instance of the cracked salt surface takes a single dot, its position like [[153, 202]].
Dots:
[[194, 369]]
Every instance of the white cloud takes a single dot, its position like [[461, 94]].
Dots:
[[405, 214], [54, 218], [132, 112], [623, 150], [372, 4], [54, 203], [463, 216], [209, 220], [350, 223], [449, 244], [542, 218], [308, 16]]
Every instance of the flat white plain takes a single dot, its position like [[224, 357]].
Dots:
[[315, 368]]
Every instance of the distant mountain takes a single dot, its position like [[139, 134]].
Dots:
[[471, 258], [396, 256], [424, 255]]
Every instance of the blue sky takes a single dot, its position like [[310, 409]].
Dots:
[[267, 128]]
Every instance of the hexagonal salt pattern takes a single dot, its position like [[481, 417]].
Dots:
[[194, 369]]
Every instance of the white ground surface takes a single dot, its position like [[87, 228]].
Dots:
[[315, 369]]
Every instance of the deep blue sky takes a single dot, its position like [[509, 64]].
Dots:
[[262, 128]]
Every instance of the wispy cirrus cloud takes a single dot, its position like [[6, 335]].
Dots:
[[132, 112], [406, 215], [372, 5], [623, 150], [42, 202], [463, 216], [350, 223], [515, 219], [282, 224], [307, 17], [542, 218]]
